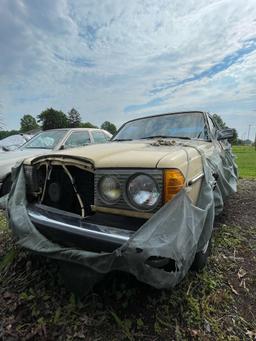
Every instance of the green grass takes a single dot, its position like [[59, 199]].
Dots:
[[246, 161], [3, 222]]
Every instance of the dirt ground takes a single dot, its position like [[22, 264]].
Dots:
[[217, 304], [240, 209]]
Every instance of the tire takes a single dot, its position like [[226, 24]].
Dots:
[[201, 258], [6, 187]]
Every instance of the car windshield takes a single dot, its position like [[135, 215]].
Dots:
[[183, 125], [45, 140]]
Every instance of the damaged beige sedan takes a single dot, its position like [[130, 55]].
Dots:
[[143, 203]]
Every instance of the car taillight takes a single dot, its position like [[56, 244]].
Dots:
[[173, 182]]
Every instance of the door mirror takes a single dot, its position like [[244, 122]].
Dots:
[[224, 134]]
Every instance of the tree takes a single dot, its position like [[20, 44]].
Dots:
[[87, 125], [234, 139], [219, 121], [6, 133], [110, 127], [53, 119], [74, 118], [27, 123]]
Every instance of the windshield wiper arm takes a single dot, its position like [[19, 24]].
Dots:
[[154, 137], [36, 148], [121, 140], [181, 137], [165, 137]]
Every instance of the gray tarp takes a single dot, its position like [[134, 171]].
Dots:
[[177, 231]]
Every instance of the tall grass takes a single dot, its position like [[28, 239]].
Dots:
[[246, 161]]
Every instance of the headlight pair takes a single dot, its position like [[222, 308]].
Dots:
[[141, 190]]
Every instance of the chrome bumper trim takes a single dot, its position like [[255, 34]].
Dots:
[[61, 223]]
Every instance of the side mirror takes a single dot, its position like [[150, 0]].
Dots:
[[62, 147], [224, 134]]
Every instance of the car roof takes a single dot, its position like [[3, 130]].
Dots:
[[85, 129], [69, 129]]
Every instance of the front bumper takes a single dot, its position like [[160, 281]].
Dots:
[[98, 233]]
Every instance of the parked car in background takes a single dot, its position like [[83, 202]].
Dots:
[[42, 143], [143, 203], [13, 142]]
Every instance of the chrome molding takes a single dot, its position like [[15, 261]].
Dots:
[[78, 227], [198, 177]]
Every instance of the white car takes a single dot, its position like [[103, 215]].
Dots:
[[42, 143], [13, 142]]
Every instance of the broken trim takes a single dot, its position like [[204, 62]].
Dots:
[[194, 180]]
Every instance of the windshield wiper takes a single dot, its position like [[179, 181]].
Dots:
[[121, 140], [165, 137], [154, 137], [36, 148], [181, 137]]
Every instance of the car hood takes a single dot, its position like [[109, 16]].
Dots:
[[9, 159], [141, 154]]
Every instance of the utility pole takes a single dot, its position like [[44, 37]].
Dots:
[[249, 131], [254, 126]]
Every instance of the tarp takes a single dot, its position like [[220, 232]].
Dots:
[[177, 231]]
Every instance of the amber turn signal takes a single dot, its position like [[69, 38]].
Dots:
[[173, 182]]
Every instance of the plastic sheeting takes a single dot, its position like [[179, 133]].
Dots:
[[177, 231]]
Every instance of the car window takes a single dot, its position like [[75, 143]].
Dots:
[[45, 140], [99, 136], [186, 125], [77, 139], [107, 137]]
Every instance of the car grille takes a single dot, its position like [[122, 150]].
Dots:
[[123, 176], [60, 192]]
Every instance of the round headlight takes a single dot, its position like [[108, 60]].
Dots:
[[109, 189], [143, 192]]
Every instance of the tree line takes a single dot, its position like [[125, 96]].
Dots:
[[55, 119]]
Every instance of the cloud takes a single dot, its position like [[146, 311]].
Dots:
[[123, 59], [235, 57]]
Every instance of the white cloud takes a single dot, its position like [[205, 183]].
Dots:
[[102, 57]]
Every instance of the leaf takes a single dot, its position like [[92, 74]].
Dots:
[[124, 326], [8, 259], [233, 289], [241, 273], [251, 334], [57, 315], [140, 323]]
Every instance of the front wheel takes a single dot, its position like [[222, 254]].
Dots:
[[201, 257]]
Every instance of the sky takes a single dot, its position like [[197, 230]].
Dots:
[[116, 60]]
